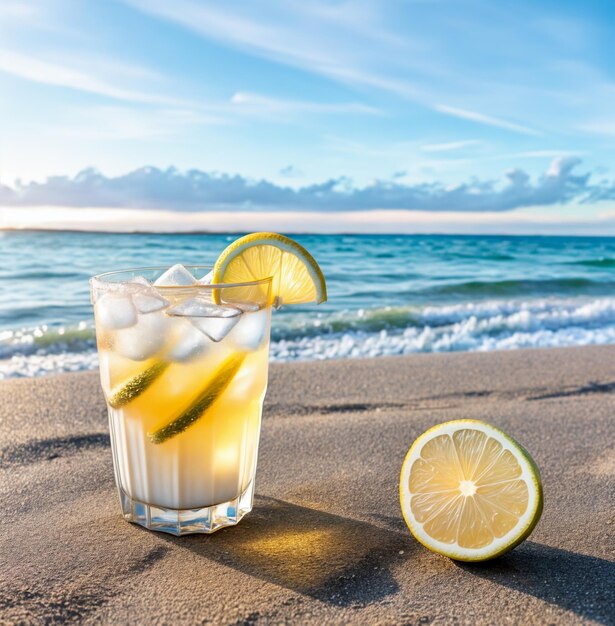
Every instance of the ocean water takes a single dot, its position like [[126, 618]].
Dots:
[[387, 294]]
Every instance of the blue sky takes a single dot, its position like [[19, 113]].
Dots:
[[487, 100]]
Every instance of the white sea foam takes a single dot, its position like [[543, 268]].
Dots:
[[483, 326], [479, 326], [29, 366]]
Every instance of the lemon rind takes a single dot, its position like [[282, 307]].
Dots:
[[514, 537], [281, 242]]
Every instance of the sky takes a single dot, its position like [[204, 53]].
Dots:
[[463, 115]]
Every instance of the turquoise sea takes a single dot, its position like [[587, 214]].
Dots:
[[388, 294]]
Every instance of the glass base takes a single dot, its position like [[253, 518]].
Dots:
[[187, 521]]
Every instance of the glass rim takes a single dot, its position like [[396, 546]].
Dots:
[[99, 280]]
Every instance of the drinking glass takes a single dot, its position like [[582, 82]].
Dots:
[[184, 373]]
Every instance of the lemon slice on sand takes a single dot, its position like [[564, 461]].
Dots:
[[469, 491], [297, 279]]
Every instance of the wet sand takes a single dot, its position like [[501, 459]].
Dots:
[[326, 542]]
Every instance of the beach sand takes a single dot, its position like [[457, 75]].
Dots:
[[326, 542]]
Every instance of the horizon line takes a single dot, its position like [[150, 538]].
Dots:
[[290, 232]]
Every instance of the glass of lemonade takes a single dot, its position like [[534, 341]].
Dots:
[[183, 366]]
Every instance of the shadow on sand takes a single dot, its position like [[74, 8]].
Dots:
[[331, 558], [575, 582], [345, 562]]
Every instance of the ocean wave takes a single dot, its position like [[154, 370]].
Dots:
[[446, 289], [44, 340], [496, 325], [31, 366], [483, 257], [602, 262], [513, 287], [39, 275], [477, 326], [492, 314]]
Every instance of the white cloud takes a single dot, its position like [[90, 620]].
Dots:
[[257, 103], [353, 76], [600, 127], [104, 123], [17, 11], [562, 166], [296, 39], [480, 118], [223, 22], [63, 75], [541, 154], [448, 147], [195, 190], [290, 171]]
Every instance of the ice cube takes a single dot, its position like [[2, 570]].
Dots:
[[188, 342], [246, 307], [207, 279], [213, 320], [141, 280], [115, 311], [201, 306], [144, 339], [148, 302], [252, 331], [205, 282], [216, 328], [176, 276], [145, 298]]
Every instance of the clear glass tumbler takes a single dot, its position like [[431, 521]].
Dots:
[[184, 373]]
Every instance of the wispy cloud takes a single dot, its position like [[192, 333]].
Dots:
[[541, 154], [480, 118], [301, 44], [344, 145], [450, 146], [17, 11], [404, 88], [290, 171], [600, 127], [195, 190], [407, 86], [295, 39], [226, 23], [103, 123], [406, 154], [64, 75], [258, 103]]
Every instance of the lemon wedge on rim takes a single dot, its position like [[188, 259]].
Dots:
[[469, 491], [297, 278]]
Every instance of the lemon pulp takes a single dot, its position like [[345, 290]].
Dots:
[[469, 491], [296, 277]]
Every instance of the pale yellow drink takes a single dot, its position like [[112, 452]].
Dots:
[[184, 392]]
